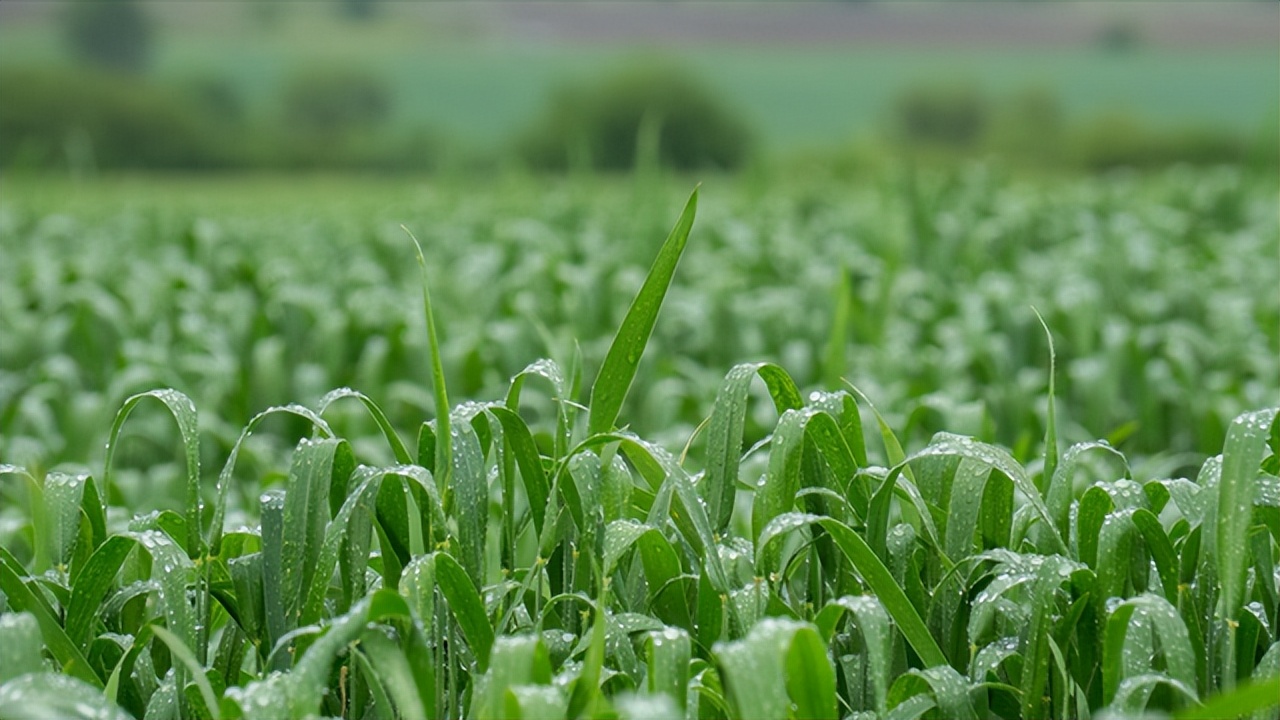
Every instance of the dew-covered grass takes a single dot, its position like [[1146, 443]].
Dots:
[[796, 539]]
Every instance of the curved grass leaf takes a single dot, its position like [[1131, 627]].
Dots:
[[184, 414], [1168, 626], [872, 622], [397, 445], [225, 476], [46, 695]]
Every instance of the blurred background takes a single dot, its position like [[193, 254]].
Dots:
[[375, 85]]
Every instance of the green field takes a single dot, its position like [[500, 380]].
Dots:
[[846, 476]]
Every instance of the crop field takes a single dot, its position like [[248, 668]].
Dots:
[[943, 444]]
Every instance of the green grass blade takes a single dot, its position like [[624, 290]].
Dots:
[[586, 689], [306, 513], [893, 449], [275, 613], [20, 645], [535, 702], [1036, 650], [1162, 552], [62, 500], [665, 579], [392, 668], [782, 479], [1246, 440], [469, 482], [46, 695], [1051, 413], [620, 363], [872, 622], [1254, 697], [725, 428], [1169, 627], [668, 657], [946, 444], [536, 488], [182, 652], [365, 482], [443, 455], [874, 573], [467, 606], [811, 681], [22, 597], [92, 585], [753, 671]]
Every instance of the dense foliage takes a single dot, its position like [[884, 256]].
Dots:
[[525, 557], [918, 290]]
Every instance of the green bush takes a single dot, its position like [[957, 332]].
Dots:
[[52, 117], [335, 103], [600, 124], [1121, 140], [1028, 127], [953, 114]]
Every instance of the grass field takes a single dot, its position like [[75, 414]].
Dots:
[[358, 499]]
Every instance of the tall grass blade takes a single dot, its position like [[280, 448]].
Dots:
[[1246, 440], [620, 363], [443, 467]]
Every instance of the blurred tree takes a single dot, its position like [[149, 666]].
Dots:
[[1028, 126], [650, 113], [112, 34], [1119, 35], [358, 9], [335, 101], [954, 114]]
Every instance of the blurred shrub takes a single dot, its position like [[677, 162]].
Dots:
[[215, 97], [953, 114], [1028, 127], [334, 103], [338, 118], [52, 117], [109, 34], [661, 111], [1119, 139]]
